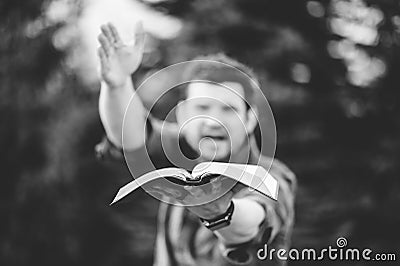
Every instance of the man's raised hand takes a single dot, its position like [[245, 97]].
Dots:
[[117, 59]]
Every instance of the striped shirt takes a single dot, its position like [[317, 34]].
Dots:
[[181, 238]]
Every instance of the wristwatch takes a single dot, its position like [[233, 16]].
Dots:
[[220, 221]]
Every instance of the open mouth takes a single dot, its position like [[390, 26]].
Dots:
[[216, 137]]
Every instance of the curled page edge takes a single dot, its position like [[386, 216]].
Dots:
[[244, 173], [138, 182]]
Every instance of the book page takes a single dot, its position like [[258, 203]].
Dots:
[[149, 177], [253, 176]]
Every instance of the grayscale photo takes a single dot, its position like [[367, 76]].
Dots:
[[200, 133]]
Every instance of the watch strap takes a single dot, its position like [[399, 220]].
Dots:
[[220, 221]]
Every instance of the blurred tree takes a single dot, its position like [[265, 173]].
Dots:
[[328, 67], [54, 193]]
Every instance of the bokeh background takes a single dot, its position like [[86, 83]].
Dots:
[[330, 69]]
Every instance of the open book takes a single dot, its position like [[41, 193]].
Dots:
[[171, 181]]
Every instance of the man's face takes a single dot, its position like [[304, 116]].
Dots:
[[214, 119]]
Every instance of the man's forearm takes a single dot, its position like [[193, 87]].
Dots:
[[246, 218], [113, 102]]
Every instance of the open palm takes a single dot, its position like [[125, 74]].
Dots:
[[117, 59]]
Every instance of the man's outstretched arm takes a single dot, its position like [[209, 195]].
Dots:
[[118, 61]]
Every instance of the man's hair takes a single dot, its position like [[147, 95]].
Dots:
[[219, 68]]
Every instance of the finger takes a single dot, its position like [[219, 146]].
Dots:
[[115, 33], [139, 35], [166, 192], [238, 187], [215, 185], [196, 192], [227, 196], [105, 44], [103, 58], [105, 29]]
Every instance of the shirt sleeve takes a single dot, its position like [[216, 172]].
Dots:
[[276, 229], [145, 158]]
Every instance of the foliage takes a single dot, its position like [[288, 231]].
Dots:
[[339, 136]]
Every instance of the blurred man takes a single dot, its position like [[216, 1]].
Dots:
[[215, 122]]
